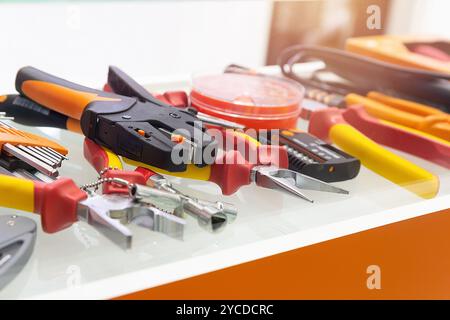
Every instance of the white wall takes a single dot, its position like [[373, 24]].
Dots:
[[79, 40], [420, 17]]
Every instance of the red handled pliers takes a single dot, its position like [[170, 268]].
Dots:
[[213, 216]]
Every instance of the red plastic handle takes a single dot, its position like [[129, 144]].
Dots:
[[231, 172], [57, 202], [99, 159]]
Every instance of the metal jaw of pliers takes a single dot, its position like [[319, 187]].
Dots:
[[212, 216], [290, 181], [110, 214]]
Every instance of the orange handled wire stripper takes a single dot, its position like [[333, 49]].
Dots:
[[125, 125]]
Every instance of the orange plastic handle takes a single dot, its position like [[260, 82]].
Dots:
[[58, 94], [436, 124]]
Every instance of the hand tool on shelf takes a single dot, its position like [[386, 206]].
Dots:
[[394, 135], [429, 87], [36, 152], [129, 127], [212, 216], [17, 239], [62, 203], [121, 83], [405, 113], [330, 125], [315, 158]]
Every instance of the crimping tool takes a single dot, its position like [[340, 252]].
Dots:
[[141, 131]]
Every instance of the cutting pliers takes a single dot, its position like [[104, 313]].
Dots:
[[61, 203]]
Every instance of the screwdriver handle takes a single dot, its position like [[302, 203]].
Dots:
[[58, 94]]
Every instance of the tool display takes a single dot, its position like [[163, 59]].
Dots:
[[137, 130], [17, 239], [315, 158], [233, 170], [330, 125], [42, 154], [213, 216]]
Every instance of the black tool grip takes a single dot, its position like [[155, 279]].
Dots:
[[29, 113]]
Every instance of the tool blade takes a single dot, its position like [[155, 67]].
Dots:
[[308, 183], [96, 211]]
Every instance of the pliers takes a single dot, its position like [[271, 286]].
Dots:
[[234, 169], [212, 216], [61, 203]]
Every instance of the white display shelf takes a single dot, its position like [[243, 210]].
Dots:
[[81, 263]]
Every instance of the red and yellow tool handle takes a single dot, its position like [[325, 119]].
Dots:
[[101, 158], [60, 95], [437, 124], [232, 168], [329, 125], [399, 137], [56, 202]]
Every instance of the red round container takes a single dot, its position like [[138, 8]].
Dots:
[[258, 102]]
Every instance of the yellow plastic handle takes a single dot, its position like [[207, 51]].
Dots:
[[384, 162], [192, 171], [16, 193]]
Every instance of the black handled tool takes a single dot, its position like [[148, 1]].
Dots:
[[137, 130]]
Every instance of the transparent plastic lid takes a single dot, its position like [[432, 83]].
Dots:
[[248, 95]]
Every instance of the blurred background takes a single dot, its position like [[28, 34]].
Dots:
[[79, 39]]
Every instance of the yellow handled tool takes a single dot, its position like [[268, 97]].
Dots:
[[329, 125]]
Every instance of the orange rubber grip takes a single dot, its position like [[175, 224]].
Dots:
[[58, 94]]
